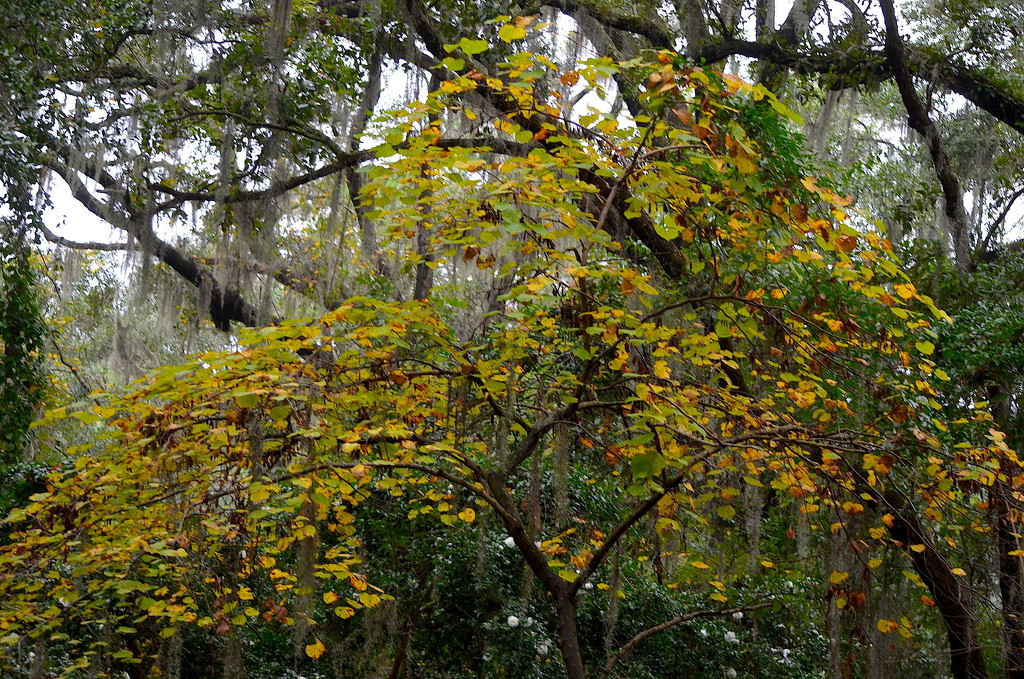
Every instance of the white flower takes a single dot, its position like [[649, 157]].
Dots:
[[738, 615], [731, 673], [588, 585], [704, 632], [543, 648], [510, 541], [513, 621], [537, 544], [730, 636]]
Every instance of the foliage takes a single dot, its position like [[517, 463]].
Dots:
[[729, 326], [22, 382]]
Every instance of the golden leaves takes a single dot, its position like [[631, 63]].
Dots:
[[905, 290], [887, 626], [510, 32], [838, 576], [316, 649]]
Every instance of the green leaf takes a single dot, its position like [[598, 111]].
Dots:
[[471, 47], [247, 400], [647, 464]]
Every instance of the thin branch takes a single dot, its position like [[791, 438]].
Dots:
[[686, 617], [77, 245]]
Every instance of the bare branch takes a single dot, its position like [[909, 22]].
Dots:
[[686, 617]]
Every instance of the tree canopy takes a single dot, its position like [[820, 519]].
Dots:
[[580, 360]]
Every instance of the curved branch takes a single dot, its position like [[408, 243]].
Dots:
[[76, 245], [668, 624], [848, 67], [918, 118], [345, 161]]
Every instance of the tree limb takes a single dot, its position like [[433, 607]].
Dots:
[[686, 617], [919, 119]]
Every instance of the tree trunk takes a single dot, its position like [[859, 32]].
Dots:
[[568, 636], [1011, 583], [1011, 568], [965, 657]]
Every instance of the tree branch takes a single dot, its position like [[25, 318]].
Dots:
[[919, 119], [686, 617]]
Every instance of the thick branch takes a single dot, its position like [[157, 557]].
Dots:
[[848, 67], [919, 119], [226, 304]]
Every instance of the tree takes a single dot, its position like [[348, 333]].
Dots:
[[241, 125], [683, 314]]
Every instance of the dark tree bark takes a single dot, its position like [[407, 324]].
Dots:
[[917, 116], [1007, 540], [953, 601]]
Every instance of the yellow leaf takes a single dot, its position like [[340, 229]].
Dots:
[[315, 650], [874, 563], [330, 597], [661, 370], [959, 571], [767, 564], [510, 32], [245, 594], [838, 576], [905, 290], [467, 515], [917, 548], [886, 626], [853, 508], [700, 564]]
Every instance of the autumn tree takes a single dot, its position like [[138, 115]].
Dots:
[[236, 129], [677, 311]]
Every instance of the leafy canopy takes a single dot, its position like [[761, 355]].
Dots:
[[674, 288]]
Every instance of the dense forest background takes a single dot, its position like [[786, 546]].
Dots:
[[429, 338]]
